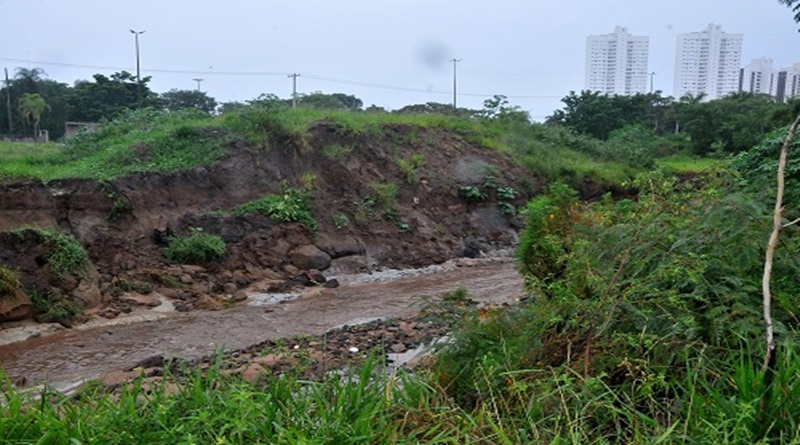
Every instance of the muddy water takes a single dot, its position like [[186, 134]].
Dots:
[[71, 356]]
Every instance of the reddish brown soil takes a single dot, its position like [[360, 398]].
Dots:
[[120, 223]]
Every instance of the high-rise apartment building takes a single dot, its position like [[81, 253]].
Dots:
[[759, 77], [617, 63], [708, 63], [788, 84]]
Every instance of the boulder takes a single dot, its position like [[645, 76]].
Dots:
[[15, 306], [310, 257], [339, 246]]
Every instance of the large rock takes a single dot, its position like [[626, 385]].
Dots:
[[310, 257], [14, 307], [339, 246]]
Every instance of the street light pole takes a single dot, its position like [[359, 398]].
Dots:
[[651, 81], [455, 82], [198, 80], [138, 72]]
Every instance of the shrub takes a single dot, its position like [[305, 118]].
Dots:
[[385, 198], [293, 205], [472, 194], [53, 309], [411, 167], [64, 253], [196, 248]]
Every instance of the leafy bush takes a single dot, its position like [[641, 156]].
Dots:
[[293, 205], [340, 220], [472, 194], [411, 167], [196, 248], [51, 308], [385, 198], [65, 254]]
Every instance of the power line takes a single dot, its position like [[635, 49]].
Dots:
[[266, 73]]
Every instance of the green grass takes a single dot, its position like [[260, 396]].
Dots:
[[148, 140], [684, 163]]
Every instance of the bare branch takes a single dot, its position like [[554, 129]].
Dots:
[[773, 242]]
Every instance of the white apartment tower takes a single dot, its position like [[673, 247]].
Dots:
[[759, 77], [617, 63], [788, 84], [708, 63]]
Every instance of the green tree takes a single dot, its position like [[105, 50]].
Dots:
[[181, 99], [336, 101], [597, 114], [106, 97], [498, 108], [31, 106]]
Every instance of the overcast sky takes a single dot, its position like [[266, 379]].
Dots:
[[387, 52]]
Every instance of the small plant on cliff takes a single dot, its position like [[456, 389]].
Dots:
[[64, 253], [52, 309], [197, 248], [472, 194], [9, 281], [386, 198], [293, 205], [340, 220], [411, 167]]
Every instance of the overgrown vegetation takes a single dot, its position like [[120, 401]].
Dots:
[[292, 205], [65, 254], [52, 308], [196, 248], [9, 282]]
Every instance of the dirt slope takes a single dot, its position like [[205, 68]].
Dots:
[[122, 223]]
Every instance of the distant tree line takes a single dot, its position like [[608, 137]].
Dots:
[[728, 125]]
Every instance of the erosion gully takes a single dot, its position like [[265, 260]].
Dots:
[[67, 358]]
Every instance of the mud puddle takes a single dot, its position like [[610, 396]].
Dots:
[[70, 356]]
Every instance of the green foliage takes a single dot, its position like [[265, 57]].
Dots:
[[506, 194], [53, 309], [758, 169], [196, 248], [9, 282], [175, 100], [65, 254], [472, 194], [411, 167], [292, 205], [337, 151], [385, 198], [340, 221], [365, 210]]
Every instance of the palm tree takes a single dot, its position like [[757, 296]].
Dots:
[[31, 106], [794, 5], [27, 79]]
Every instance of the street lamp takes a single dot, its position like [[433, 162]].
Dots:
[[198, 80], [455, 94], [138, 72]]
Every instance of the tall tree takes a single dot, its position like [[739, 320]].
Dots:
[[31, 106], [106, 97]]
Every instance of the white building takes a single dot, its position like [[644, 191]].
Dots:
[[788, 84], [617, 63], [708, 63], [759, 77]]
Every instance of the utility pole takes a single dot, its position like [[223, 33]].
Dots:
[[8, 102], [138, 72], [294, 77], [455, 82], [651, 82], [198, 80]]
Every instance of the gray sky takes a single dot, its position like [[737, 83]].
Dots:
[[387, 52]]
